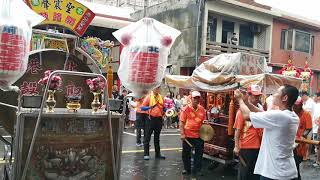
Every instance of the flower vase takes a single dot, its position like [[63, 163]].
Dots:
[[51, 102], [95, 105]]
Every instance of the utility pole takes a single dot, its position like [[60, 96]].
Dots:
[[145, 6]]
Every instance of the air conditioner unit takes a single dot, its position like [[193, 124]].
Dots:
[[255, 28]]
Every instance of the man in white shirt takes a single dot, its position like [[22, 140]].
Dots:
[[310, 106], [316, 122], [270, 105], [275, 160]]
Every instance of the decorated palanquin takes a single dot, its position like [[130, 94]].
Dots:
[[221, 109], [70, 145], [219, 77], [77, 144]]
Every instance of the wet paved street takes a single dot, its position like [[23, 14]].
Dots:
[[135, 168]]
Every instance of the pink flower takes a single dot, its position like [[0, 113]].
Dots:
[[96, 84], [88, 81], [47, 73], [44, 80], [55, 80]]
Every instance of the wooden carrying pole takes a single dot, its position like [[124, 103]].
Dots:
[[231, 116], [109, 81], [308, 141]]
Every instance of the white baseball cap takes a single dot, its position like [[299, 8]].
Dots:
[[195, 94], [255, 90], [298, 101]]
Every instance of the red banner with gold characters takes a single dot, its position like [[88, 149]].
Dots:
[[67, 13]]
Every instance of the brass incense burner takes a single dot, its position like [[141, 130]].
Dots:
[[73, 103]]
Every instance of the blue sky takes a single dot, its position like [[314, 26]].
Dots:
[[306, 8]]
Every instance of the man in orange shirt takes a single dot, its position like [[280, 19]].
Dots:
[[191, 119], [142, 117], [305, 127], [248, 139], [153, 103]]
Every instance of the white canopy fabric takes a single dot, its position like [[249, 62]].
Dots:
[[269, 82], [227, 72]]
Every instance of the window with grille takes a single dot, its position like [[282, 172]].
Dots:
[[297, 40], [246, 36], [212, 28]]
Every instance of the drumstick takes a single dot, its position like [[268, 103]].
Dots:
[[188, 143], [242, 161]]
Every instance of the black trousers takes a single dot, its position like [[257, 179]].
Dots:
[[245, 172], [168, 122], [265, 178], [152, 125], [140, 124], [198, 144], [298, 160]]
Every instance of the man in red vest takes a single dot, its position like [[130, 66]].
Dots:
[[191, 119], [247, 138]]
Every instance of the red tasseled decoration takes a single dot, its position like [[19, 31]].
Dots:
[[166, 41], [125, 39]]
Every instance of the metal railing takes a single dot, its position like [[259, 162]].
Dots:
[[216, 48]]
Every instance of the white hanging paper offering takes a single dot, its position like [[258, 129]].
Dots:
[[16, 21], [143, 60]]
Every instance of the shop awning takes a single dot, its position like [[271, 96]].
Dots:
[[109, 16]]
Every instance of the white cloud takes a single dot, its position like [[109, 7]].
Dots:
[[305, 8]]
